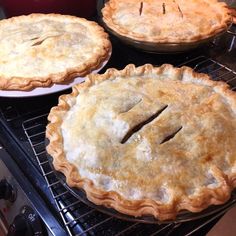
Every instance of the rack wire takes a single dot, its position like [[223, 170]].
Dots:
[[80, 219]]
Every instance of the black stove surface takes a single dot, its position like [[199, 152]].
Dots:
[[22, 132]]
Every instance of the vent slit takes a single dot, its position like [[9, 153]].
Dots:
[[180, 11], [163, 8], [34, 38], [171, 136], [141, 8], [139, 126], [42, 40], [131, 107], [38, 43]]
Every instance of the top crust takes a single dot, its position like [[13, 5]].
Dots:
[[168, 21], [215, 166], [40, 49]]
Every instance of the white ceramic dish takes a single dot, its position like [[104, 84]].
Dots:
[[40, 91]]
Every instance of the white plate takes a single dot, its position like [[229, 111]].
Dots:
[[47, 90]]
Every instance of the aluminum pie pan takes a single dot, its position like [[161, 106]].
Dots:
[[182, 216], [164, 48]]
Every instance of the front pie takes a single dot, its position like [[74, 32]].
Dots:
[[42, 49], [147, 140], [166, 21]]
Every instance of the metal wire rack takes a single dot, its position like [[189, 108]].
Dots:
[[80, 219]]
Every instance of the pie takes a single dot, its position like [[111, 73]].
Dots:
[[38, 50], [147, 140], [166, 21]]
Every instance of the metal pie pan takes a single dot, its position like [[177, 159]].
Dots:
[[183, 216], [162, 48]]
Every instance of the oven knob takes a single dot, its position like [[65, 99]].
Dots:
[[19, 227], [7, 192], [26, 223]]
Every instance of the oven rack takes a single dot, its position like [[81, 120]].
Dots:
[[80, 219]]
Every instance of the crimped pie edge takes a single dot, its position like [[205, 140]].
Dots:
[[109, 8], [113, 199], [28, 83]]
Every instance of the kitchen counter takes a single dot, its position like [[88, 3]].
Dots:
[[226, 225]]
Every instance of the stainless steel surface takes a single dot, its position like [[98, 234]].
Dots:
[[3, 225], [10, 209], [18, 207]]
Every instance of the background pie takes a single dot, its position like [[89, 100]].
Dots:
[[147, 140], [168, 21], [41, 49]]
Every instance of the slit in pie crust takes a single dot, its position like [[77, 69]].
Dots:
[[166, 21], [38, 50], [147, 140]]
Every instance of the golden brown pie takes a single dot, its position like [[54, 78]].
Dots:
[[147, 140], [166, 21], [41, 49]]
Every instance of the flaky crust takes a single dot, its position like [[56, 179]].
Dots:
[[33, 46], [165, 27], [162, 211]]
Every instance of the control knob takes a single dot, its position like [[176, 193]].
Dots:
[[7, 192], [26, 223]]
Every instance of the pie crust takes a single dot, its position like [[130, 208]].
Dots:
[[38, 50], [168, 21], [147, 140]]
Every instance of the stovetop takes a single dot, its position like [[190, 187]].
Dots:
[[22, 133]]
